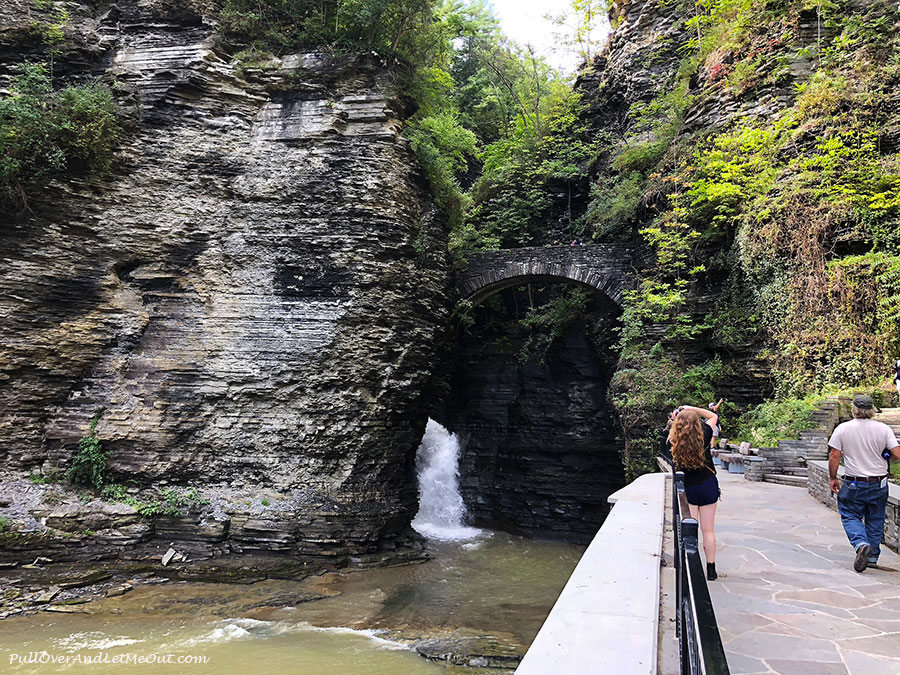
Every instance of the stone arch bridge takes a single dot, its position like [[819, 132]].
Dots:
[[608, 268]]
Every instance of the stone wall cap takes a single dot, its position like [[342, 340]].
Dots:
[[646, 488]]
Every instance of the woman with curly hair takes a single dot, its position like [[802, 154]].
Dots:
[[689, 442]]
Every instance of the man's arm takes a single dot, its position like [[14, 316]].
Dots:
[[895, 453], [834, 461]]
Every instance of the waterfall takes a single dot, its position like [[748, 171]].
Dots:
[[441, 508]]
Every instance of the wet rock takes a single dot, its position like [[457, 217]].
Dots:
[[118, 590], [66, 609], [76, 601], [540, 446], [47, 595], [86, 580], [168, 556]]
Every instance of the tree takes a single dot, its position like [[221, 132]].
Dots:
[[584, 24]]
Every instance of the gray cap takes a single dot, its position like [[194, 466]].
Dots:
[[863, 402]]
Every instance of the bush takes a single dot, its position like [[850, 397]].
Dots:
[[89, 463], [43, 132], [444, 149], [772, 421]]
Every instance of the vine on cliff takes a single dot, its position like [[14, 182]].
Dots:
[[89, 463]]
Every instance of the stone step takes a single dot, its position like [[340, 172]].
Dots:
[[795, 470], [796, 481]]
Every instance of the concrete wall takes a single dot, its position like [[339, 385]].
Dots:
[[606, 618], [819, 488]]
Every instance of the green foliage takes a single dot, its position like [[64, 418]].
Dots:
[[551, 146], [551, 320], [169, 502], [580, 22], [89, 463], [445, 148], [769, 422], [614, 205], [49, 22], [389, 27], [5, 523], [43, 132], [651, 385], [783, 191], [646, 386], [51, 476], [656, 303], [463, 312], [114, 492]]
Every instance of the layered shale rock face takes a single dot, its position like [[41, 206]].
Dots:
[[541, 443], [253, 298]]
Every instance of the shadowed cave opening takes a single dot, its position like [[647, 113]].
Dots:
[[540, 441]]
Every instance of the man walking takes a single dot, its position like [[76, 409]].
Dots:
[[866, 445]]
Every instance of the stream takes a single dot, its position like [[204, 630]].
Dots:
[[478, 601]]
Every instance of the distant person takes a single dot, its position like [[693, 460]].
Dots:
[[897, 375], [689, 441], [715, 408], [866, 444]]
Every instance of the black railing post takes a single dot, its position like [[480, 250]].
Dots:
[[699, 643], [677, 487], [690, 659], [709, 639]]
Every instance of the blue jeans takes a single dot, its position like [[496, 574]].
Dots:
[[862, 507]]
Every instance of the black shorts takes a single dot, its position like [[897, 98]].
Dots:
[[704, 494]]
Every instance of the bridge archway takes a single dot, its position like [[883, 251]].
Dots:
[[540, 442], [606, 268]]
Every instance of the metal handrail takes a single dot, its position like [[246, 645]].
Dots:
[[699, 642]]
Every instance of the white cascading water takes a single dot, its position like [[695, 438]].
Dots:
[[441, 509]]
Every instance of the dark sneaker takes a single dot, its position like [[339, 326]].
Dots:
[[862, 558], [711, 572]]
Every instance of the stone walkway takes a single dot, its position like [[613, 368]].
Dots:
[[787, 599]]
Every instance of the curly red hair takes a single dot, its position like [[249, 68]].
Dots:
[[686, 437]]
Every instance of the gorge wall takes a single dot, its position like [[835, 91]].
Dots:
[[252, 298], [754, 148]]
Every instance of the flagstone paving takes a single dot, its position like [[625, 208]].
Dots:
[[787, 599]]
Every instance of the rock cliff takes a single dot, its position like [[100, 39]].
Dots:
[[752, 146], [253, 298]]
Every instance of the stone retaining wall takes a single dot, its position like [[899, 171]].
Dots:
[[819, 488]]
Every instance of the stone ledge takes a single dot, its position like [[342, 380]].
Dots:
[[610, 605]]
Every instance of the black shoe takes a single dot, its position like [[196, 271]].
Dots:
[[862, 558], [711, 572]]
